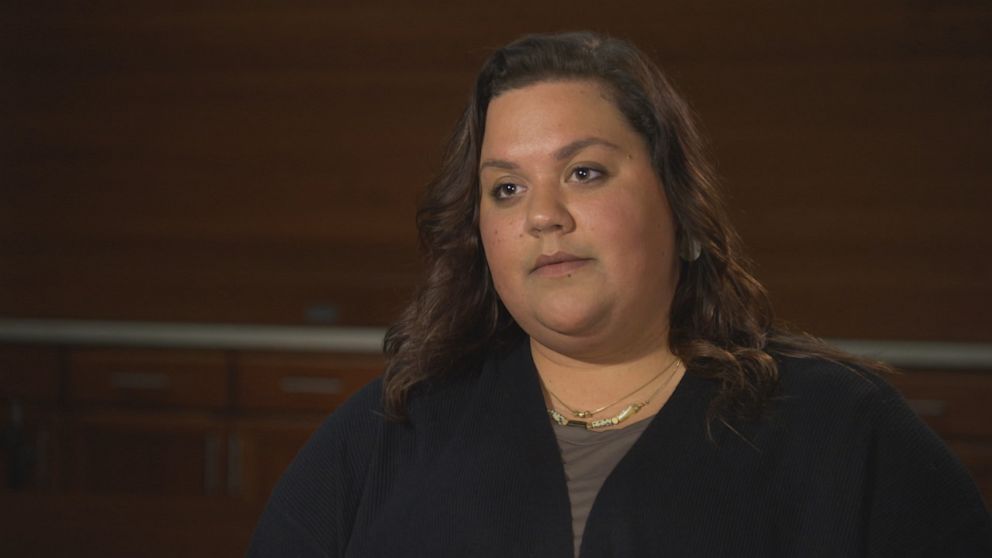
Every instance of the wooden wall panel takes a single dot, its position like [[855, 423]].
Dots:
[[234, 163]]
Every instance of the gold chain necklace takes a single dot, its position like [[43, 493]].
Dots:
[[626, 413], [588, 414]]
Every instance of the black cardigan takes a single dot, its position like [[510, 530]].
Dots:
[[841, 467]]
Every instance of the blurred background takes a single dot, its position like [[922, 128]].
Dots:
[[207, 219]]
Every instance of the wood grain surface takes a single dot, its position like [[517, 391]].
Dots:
[[261, 163]]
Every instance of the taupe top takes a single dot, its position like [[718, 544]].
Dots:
[[589, 457]]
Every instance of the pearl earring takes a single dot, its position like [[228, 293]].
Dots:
[[690, 249]]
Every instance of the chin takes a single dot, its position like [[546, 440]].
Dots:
[[570, 344], [570, 324]]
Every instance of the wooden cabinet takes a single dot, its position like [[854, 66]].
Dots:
[[191, 379], [179, 449], [154, 453], [300, 382], [195, 422], [146, 421], [93, 436], [28, 458], [30, 373], [281, 399], [29, 396]]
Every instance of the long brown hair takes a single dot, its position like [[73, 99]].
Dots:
[[722, 324]]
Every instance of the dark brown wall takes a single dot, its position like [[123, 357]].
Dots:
[[243, 162]]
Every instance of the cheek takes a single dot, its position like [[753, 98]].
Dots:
[[500, 232], [501, 240], [496, 248], [619, 226], [638, 236], [491, 242]]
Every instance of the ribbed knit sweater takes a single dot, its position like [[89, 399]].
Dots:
[[839, 467]]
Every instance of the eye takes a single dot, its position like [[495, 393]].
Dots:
[[585, 174], [505, 190]]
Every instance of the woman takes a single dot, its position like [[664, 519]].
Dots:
[[590, 369]]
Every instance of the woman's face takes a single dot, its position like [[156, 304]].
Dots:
[[575, 223]]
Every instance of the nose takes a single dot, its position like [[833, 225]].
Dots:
[[547, 211]]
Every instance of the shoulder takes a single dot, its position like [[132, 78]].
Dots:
[[847, 399], [817, 386], [835, 402], [820, 404], [918, 495], [343, 444], [815, 374], [351, 425], [345, 435]]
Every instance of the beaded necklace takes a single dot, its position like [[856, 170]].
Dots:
[[627, 412]]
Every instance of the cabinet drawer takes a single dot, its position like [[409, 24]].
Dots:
[[29, 373], [155, 453], [186, 378], [955, 404], [301, 382]]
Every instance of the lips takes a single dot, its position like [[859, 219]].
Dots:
[[559, 262]]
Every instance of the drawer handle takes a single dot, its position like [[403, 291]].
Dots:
[[308, 384], [928, 407], [148, 381]]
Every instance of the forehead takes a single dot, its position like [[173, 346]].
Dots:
[[544, 116]]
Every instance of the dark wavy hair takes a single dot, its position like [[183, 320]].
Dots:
[[721, 322]]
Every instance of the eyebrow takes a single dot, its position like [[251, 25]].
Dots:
[[561, 154]]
